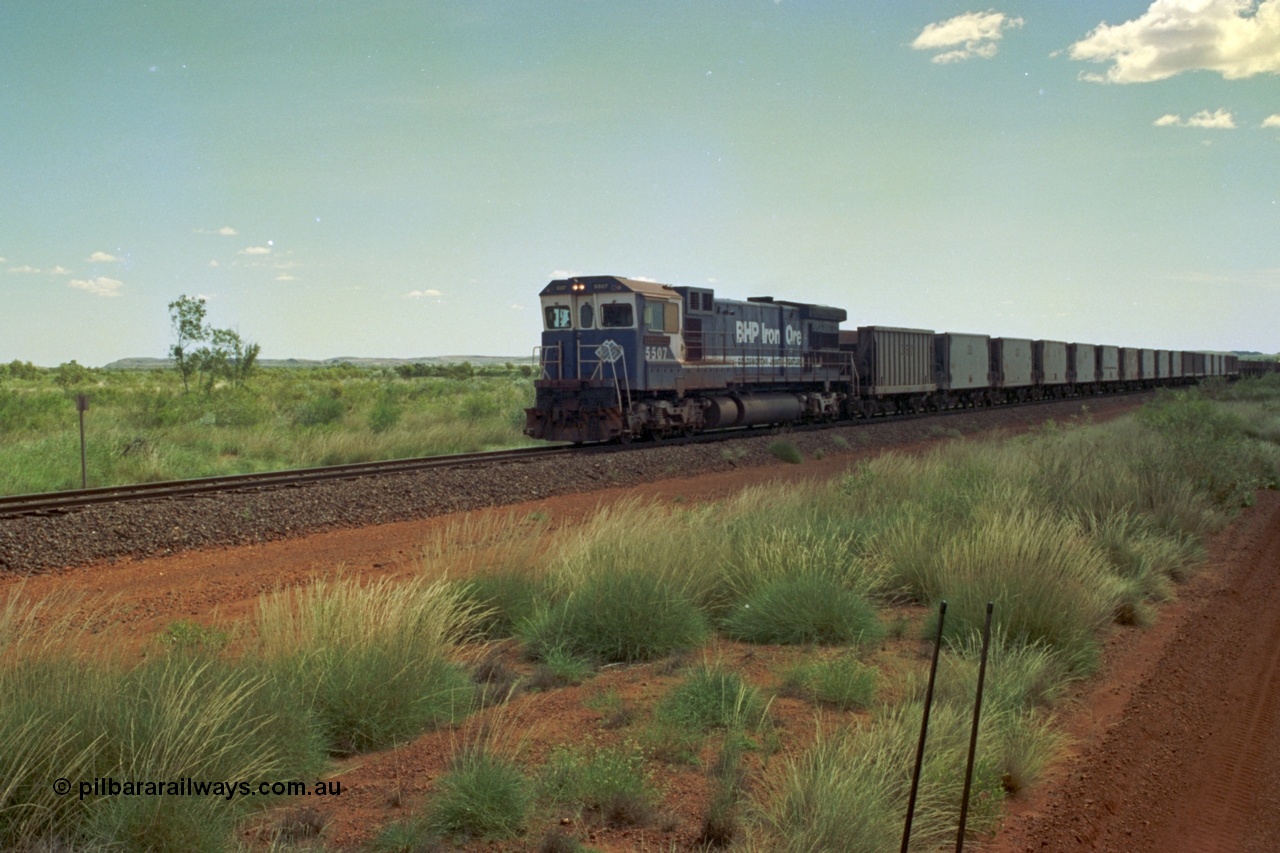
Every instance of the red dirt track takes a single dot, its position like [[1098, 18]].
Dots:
[[1178, 739]]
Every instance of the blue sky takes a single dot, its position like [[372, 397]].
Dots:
[[400, 178]]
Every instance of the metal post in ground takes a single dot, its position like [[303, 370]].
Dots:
[[973, 734], [924, 730], [82, 406]]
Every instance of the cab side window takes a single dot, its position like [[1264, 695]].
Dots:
[[662, 317], [653, 316]]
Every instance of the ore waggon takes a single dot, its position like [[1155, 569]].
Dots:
[[625, 358]]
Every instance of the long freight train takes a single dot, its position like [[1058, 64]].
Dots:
[[622, 359]]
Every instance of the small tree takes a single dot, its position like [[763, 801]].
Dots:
[[186, 315], [223, 352]]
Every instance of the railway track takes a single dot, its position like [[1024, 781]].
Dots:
[[50, 503], [56, 502]]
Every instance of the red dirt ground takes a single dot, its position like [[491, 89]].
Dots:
[[1177, 746]]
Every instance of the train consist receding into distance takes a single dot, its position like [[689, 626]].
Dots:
[[623, 358]]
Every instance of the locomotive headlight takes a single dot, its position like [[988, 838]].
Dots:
[[577, 285]]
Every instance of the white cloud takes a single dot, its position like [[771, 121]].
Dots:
[[102, 258], [214, 263], [419, 294], [1236, 38], [284, 276], [1271, 121], [559, 274], [4, 260], [224, 231], [24, 269], [971, 34], [58, 270], [100, 286], [255, 250], [1216, 120]]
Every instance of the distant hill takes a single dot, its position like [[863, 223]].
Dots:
[[165, 364]]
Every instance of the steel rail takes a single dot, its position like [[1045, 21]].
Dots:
[[47, 502]]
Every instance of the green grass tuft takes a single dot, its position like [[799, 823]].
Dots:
[[483, 796], [804, 608], [786, 451], [843, 682]]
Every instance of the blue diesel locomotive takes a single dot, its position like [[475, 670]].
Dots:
[[624, 358]]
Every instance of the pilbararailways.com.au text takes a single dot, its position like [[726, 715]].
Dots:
[[188, 787]]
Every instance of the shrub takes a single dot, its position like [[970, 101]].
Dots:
[[384, 414], [319, 411], [786, 451]]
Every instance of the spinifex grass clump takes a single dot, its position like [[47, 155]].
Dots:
[[806, 607], [712, 697], [617, 591], [370, 660], [618, 614], [67, 714], [502, 599], [849, 791], [1049, 583], [842, 682], [484, 795]]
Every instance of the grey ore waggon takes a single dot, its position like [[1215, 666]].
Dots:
[[623, 358]]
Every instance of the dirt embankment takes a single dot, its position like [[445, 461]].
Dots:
[[1178, 739]]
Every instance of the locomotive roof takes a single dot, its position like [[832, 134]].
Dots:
[[606, 283]]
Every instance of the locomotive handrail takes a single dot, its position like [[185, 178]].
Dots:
[[540, 355]]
